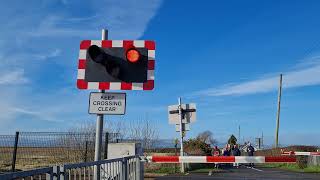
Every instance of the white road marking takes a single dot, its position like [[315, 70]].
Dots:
[[254, 169]]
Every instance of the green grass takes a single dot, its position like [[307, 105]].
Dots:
[[312, 169], [295, 167], [163, 170]]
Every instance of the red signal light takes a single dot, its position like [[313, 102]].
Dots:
[[133, 55]]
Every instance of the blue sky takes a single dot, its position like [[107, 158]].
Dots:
[[225, 56]]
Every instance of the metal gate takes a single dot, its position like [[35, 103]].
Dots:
[[126, 168]]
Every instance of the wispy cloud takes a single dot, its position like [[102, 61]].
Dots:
[[12, 69], [52, 26], [13, 77], [304, 74], [24, 111], [52, 54], [125, 20], [82, 19], [36, 114]]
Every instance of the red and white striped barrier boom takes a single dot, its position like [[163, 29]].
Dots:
[[298, 153], [221, 159]]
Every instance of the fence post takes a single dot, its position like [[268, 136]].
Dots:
[[61, 174], [137, 172], [14, 155], [49, 176], [106, 142], [86, 152], [139, 169], [55, 175], [124, 169], [121, 170]]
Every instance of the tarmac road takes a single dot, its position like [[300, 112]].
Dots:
[[245, 173]]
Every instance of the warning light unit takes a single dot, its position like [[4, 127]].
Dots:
[[116, 65]]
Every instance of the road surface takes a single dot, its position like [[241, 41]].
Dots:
[[245, 173]]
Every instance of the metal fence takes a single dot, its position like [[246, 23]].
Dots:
[[313, 160], [43, 149], [6, 152], [121, 168], [126, 168], [43, 173]]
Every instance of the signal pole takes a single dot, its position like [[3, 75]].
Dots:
[[278, 112], [99, 130], [181, 134]]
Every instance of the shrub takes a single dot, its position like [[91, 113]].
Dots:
[[197, 147]]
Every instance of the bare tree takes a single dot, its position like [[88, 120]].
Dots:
[[78, 143], [206, 137], [117, 127], [144, 131]]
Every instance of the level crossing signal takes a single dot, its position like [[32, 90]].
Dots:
[[116, 65]]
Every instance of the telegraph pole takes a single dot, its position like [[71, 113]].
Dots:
[[278, 112], [239, 136], [262, 140], [181, 133]]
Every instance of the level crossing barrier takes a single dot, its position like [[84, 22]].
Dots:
[[126, 168], [299, 153], [221, 159]]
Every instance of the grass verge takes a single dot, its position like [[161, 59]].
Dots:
[[172, 170], [295, 167], [163, 170]]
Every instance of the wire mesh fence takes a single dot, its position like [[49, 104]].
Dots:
[[43, 149], [6, 150]]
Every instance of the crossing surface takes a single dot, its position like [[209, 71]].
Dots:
[[244, 172]]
